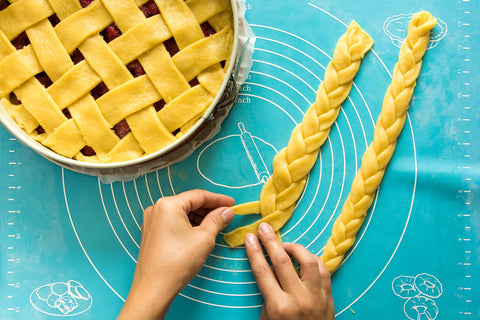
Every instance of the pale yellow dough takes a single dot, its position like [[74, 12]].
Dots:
[[377, 156], [167, 78], [292, 164]]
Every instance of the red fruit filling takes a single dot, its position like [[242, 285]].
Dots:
[[54, 20], [121, 129], [21, 41], [77, 56], [135, 68], [111, 32], [99, 90], [88, 151], [40, 130], [193, 82], [4, 4], [14, 99], [159, 105], [67, 113], [85, 3], [44, 79], [171, 46], [150, 9], [207, 29]]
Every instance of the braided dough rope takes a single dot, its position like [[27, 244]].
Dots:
[[293, 163], [378, 154]]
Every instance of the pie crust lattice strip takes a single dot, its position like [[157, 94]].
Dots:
[[112, 80], [293, 163], [377, 156]]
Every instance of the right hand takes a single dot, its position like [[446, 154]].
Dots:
[[288, 295]]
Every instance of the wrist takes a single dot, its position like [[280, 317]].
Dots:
[[147, 301]]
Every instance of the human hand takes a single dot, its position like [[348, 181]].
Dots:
[[288, 295], [178, 233]]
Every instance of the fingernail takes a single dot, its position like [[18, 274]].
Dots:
[[265, 228], [250, 239], [228, 215]]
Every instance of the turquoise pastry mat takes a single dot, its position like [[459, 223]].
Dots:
[[68, 243]]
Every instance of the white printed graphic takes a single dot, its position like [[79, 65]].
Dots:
[[254, 156], [396, 27], [253, 149], [61, 299], [419, 292]]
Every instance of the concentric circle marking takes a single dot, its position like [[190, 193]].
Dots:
[[282, 90]]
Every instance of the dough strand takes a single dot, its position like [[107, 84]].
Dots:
[[293, 163], [378, 154]]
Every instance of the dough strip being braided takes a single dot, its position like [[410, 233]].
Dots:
[[293, 163], [378, 154]]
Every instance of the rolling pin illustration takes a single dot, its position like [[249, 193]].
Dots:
[[253, 154]]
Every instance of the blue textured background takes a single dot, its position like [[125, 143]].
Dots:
[[57, 225]]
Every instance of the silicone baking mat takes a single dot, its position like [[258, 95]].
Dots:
[[69, 243]]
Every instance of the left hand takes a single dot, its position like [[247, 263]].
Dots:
[[178, 234]]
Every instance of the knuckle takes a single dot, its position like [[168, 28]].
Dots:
[[210, 242], [325, 275], [147, 212], [161, 203], [194, 193], [254, 250], [280, 260], [311, 263], [207, 240], [197, 193], [306, 307], [325, 281], [217, 219], [261, 271], [268, 237], [281, 309]]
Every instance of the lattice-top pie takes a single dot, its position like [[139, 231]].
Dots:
[[111, 80]]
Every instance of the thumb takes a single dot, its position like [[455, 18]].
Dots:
[[217, 220]]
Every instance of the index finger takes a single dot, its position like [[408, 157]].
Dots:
[[196, 199], [282, 264], [266, 280]]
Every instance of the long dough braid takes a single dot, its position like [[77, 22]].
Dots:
[[378, 154], [293, 163]]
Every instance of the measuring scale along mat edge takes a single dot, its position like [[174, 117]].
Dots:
[[70, 291]]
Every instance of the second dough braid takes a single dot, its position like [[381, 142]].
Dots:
[[293, 163], [378, 154]]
